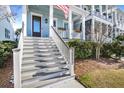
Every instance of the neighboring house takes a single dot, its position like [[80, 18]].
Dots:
[[42, 58], [111, 18], [6, 24]]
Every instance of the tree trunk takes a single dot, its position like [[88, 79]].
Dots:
[[98, 48]]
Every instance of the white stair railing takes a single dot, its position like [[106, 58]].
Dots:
[[17, 60], [67, 52]]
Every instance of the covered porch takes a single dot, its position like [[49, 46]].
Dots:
[[38, 20]]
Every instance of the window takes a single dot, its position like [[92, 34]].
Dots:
[[7, 33], [66, 26]]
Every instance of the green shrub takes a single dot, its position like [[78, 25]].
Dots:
[[106, 50], [87, 49], [6, 50], [120, 38], [83, 49], [117, 47]]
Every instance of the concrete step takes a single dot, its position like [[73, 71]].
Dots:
[[28, 74], [41, 67], [40, 46], [34, 82], [44, 73], [39, 58], [41, 54], [39, 43], [43, 63], [37, 38], [33, 40], [45, 76], [25, 55], [40, 51], [44, 56]]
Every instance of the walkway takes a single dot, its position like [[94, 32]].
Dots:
[[71, 83]]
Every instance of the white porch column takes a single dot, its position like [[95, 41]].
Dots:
[[92, 9], [116, 20], [24, 19], [111, 33], [119, 32], [112, 16], [50, 19], [100, 8], [92, 29], [70, 23], [107, 30], [107, 12], [83, 28]]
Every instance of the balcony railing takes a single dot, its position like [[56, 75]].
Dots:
[[97, 14]]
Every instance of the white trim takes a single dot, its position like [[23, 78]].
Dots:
[[51, 9], [35, 14], [24, 18]]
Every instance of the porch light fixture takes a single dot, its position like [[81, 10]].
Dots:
[[110, 17], [46, 20], [104, 14]]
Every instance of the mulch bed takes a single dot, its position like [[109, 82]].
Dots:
[[5, 74]]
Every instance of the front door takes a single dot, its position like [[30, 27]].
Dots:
[[36, 26]]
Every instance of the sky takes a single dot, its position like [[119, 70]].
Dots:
[[121, 7], [17, 9]]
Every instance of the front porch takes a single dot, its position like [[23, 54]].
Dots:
[[39, 19]]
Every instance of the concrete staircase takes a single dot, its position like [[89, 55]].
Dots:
[[42, 63]]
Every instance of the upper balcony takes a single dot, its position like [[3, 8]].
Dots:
[[104, 16]]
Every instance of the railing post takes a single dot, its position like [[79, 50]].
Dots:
[[71, 61], [17, 68]]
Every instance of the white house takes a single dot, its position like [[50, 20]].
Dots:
[[6, 24]]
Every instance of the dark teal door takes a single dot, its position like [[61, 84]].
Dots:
[[36, 26]]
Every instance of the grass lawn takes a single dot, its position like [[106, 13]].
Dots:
[[100, 74], [104, 79]]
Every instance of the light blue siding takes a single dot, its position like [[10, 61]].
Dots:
[[44, 11]]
